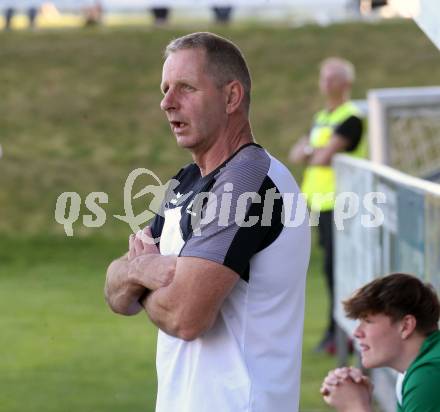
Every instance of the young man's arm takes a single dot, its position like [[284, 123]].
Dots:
[[421, 389]]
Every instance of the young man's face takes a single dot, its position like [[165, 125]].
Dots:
[[195, 106], [379, 340]]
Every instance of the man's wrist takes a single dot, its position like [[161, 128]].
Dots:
[[143, 297], [360, 405], [308, 150]]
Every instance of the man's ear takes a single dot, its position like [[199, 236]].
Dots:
[[234, 96], [407, 326]]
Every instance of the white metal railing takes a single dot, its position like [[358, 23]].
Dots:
[[406, 240]]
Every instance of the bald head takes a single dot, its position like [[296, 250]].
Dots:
[[340, 67], [336, 77]]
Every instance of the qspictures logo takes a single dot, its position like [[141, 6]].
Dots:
[[205, 207], [68, 204]]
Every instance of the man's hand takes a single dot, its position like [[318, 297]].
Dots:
[[141, 243], [300, 152], [347, 390], [186, 292], [141, 270], [143, 252]]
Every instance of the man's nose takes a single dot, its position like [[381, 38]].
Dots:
[[169, 101], [358, 331]]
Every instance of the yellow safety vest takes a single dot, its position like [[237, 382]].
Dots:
[[319, 181]]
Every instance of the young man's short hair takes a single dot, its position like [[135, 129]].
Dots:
[[396, 296]]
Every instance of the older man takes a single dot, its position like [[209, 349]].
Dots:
[[398, 329], [336, 128], [226, 283]]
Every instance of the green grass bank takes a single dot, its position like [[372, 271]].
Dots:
[[80, 108], [79, 111]]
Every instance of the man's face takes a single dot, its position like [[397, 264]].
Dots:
[[379, 340], [332, 81], [195, 106]]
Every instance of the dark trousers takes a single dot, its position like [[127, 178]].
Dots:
[[325, 228]]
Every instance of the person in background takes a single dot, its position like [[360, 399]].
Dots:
[[93, 14], [9, 15], [160, 14], [32, 16], [398, 328], [336, 128]]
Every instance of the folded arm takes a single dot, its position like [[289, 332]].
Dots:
[[323, 156], [303, 153], [190, 304], [130, 279], [135, 274], [300, 151], [181, 295]]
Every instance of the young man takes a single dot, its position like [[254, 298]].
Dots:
[[398, 329], [336, 128], [226, 283]]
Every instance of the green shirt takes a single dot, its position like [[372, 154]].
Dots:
[[421, 384]]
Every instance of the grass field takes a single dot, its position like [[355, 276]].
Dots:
[[79, 111], [63, 350]]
